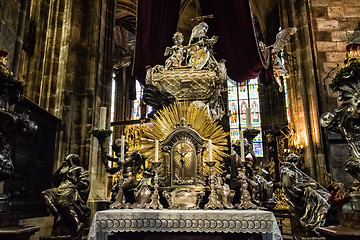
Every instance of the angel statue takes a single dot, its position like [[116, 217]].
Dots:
[[177, 52], [200, 47], [198, 32], [67, 200], [273, 50], [307, 198], [128, 169]]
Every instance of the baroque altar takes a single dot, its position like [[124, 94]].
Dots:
[[180, 156]]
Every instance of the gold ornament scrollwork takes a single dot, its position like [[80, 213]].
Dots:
[[280, 199]]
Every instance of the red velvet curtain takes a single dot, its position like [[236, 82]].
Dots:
[[236, 44], [156, 24]]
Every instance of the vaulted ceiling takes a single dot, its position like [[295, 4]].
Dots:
[[125, 14]]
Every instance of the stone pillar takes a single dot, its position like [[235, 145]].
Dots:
[[303, 85], [69, 74], [333, 21], [12, 25]]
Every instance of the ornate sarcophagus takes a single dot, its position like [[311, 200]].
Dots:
[[191, 73]]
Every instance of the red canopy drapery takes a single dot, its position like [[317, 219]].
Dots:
[[156, 24], [237, 43], [232, 22]]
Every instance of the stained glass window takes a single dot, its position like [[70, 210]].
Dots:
[[112, 113], [241, 96], [136, 112]]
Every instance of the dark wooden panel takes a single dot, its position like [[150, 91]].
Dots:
[[33, 160]]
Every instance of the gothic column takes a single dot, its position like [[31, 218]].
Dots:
[[69, 74], [303, 86]]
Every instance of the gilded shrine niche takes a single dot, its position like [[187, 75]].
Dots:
[[184, 131], [183, 149]]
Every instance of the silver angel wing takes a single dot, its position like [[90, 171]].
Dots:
[[198, 31], [282, 38]]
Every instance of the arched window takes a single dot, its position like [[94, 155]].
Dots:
[[241, 96]]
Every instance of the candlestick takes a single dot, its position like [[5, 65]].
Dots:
[[231, 149], [210, 150], [248, 118], [120, 201], [242, 146], [156, 151], [102, 120], [122, 156], [155, 198], [214, 202]]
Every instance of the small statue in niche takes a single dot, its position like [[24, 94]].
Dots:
[[67, 201], [128, 169], [299, 188], [184, 164], [177, 52]]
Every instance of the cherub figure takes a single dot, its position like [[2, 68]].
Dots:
[[177, 52], [131, 166]]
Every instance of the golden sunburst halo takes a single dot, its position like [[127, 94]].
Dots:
[[198, 117]]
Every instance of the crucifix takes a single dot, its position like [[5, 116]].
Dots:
[[182, 153]]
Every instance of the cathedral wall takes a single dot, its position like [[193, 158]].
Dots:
[[68, 72], [66, 64], [334, 21], [9, 17], [316, 49], [12, 26], [303, 90]]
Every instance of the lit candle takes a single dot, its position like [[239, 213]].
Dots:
[[156, 151], [102, 123], [242, 146], [248, 118], [210, 150], [122, 156]]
